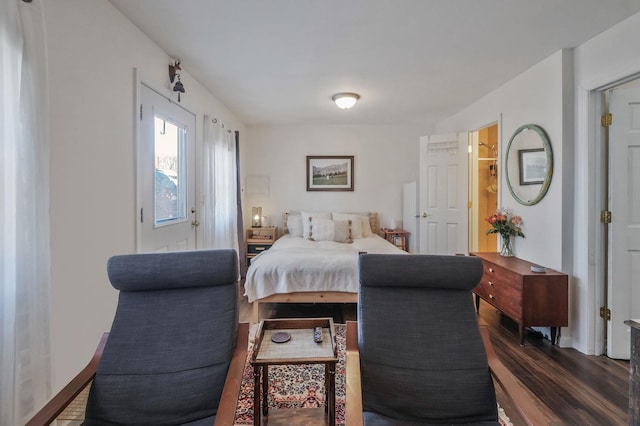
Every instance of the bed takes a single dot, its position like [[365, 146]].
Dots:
[[306, 266]]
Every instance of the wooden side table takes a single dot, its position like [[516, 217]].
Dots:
[[259, 240], [397, 237], [299, 349]]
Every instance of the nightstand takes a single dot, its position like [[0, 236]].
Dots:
[[259, 240], [397, 237]]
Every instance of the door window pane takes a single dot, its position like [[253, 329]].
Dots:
[[170, 172]]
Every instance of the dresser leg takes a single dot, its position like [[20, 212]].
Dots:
[[521, 331], [555, 334], [477, 303]]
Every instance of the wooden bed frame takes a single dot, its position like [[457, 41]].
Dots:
[[312, 296]]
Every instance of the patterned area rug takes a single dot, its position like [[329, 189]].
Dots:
[[301, 386]]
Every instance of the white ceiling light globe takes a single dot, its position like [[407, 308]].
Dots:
[[345, 100]]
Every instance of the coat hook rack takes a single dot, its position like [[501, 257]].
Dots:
[[178, 87]]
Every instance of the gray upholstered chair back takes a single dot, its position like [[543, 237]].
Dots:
[[421, 353], [171, 341]]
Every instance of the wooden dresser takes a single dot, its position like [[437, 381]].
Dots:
[[532, 299]]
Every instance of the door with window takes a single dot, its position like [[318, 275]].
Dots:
[[166, 175]]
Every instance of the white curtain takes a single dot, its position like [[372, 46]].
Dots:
[[25, 364], [220, 187]]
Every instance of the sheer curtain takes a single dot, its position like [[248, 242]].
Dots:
[[220, 187], [25, 364]]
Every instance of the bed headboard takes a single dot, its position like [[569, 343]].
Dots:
[[373, 221]]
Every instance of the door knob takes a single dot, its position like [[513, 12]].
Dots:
[[425, 215], [195, 223]]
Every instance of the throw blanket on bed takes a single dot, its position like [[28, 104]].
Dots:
[[294, 264]]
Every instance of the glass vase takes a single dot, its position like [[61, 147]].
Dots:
[[506, 245]]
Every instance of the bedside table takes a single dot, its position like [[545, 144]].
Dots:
[[397, 237], [259, 240]]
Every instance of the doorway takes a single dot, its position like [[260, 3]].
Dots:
[[621, 148], [483, 187], [166, 214]]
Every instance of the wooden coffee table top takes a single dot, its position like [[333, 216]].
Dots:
[[301, 348]]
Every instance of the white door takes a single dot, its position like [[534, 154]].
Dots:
[[166, 215], [624, 231], [444, 173], [410, 213]]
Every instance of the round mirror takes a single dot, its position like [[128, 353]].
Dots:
[[529, 164]]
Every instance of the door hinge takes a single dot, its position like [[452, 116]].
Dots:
[[142, 215], [140, 112], [605, 313], [605, 216], [606, 120]]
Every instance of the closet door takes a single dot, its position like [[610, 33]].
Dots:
[[444, 181], [624, 230]]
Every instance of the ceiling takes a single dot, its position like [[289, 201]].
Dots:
[[411, 61]]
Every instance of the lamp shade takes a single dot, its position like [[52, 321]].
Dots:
[[256, 217], [345, 100]]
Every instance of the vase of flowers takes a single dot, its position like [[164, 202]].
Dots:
[[508, 225]]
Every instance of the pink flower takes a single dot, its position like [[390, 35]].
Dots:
[[504, 223]]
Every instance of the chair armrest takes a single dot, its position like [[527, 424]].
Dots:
[[530, 408], [229, 400], [353, 401], [62, 399]]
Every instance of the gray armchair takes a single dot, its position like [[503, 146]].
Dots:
[[175, 353], [416, 355]]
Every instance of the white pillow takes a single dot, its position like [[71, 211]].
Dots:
[[294, 225], [321, 230], [356, 223], [342, 231], [315, 216], [330, 230], [366, 227]]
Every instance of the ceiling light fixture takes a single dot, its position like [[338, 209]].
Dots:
[[345, 100]]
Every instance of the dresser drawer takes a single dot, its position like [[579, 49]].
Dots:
[[504, 297], [257, 248], [500, 276]]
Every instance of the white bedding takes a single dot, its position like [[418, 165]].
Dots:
[[294, 264]]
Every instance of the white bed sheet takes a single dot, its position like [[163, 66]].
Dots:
[[294, 264]]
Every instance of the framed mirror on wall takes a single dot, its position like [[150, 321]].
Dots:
[[529, 164]]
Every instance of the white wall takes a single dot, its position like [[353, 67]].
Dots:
[[92, 51], [537, 96], [385, 158], [534, 97], [603, 60], [563, 231]]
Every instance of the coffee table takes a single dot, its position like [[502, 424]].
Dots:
[[299, 349]]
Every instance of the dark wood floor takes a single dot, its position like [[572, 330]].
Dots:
[[579, 389]]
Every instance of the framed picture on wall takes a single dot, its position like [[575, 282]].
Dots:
[[330, 173], [533, 166]]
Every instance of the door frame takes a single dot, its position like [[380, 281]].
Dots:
[[590, 107], [474, 223], [139, 80], [607, 251]]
